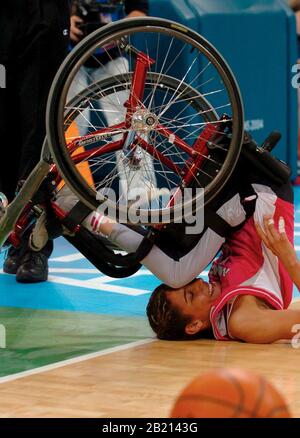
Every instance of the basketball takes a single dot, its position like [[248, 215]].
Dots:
[[230, 393]]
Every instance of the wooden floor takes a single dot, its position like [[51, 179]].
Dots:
[[144, 381]]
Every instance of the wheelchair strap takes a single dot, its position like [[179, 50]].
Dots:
[[218, 224], [76, 216]]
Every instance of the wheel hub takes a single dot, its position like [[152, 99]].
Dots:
[[143, 120]]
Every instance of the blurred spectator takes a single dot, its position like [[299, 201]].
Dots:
[[87, 16], [33, 43]]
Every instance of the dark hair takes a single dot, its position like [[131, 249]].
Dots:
[[166, 321]]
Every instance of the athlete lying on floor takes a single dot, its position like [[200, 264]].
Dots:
[[249, 287], [176, 265]]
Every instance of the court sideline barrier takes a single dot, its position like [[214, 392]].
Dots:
[[258, 40]]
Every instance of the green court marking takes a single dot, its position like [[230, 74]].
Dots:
[[35, 338]]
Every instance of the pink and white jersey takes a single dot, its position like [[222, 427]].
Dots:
[[248, 267]]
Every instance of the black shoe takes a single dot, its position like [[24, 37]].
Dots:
[[33, 268], [13, 260]]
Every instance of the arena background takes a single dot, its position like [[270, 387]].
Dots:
[[80, 311]]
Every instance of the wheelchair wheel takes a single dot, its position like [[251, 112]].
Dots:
[[148, 120]]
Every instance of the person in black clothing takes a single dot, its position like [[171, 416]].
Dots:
[[110, 109], [85, 19], [86, 16], [34, 36]]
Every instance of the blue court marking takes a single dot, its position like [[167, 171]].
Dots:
[[51, 296], [75, 285]]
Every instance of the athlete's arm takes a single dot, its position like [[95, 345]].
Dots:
[[178, 273], [174, 273], [254, 322], [279, 244]]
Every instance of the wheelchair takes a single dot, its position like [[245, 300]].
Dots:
[[170, 119]]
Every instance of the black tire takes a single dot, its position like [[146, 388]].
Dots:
[[57, 97]]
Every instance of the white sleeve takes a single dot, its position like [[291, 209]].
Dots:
[[175, 274]]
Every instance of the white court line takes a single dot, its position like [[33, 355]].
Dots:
[[98, 284], [141, 272], [73, 271], [95, 271], [72, 257], [75, 360], [68, 258], [69, 271]]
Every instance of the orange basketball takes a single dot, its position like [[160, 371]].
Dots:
[[230, 393]]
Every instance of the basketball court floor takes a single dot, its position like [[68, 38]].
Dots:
[[80, 346]]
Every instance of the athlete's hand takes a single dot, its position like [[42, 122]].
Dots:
[[99, 224], [277, 241], [275, 238], [75, 33]]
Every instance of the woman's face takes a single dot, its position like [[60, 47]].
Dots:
[[195, 300]]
